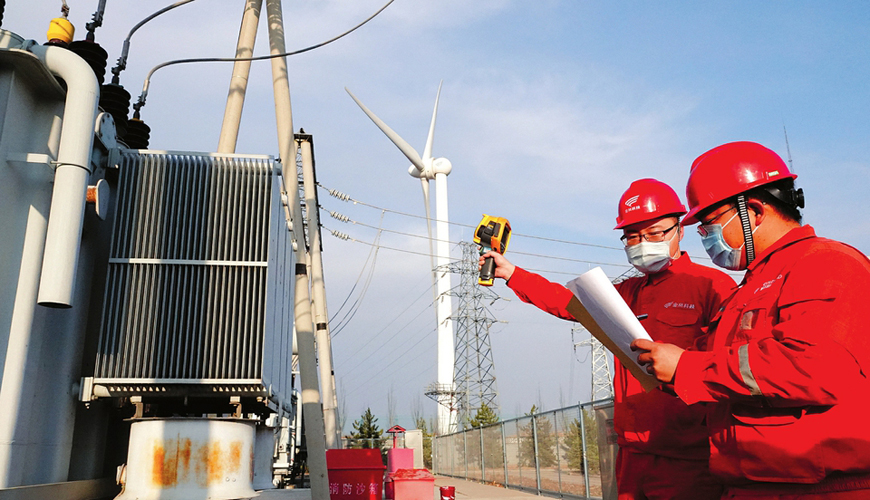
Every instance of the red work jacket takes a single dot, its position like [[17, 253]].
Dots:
[[787, 366], [679, 302]]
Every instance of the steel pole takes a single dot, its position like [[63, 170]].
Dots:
[[318, 294], [239, 80], [312, 411]]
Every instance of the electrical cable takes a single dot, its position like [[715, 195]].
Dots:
[[391, 338], [350, 238], [348, 220], [381, 372], [143, 96], [360, 349], [121, 65], [344, 197], [355, 306]]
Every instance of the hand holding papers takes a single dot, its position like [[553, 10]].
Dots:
[[601, 310]]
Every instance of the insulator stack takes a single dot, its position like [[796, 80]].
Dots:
[[96, 56], [339, 235], [338, 194], [116, 101], [338, 216], [138, 134]]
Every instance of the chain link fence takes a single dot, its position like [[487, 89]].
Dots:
[[569, 452]]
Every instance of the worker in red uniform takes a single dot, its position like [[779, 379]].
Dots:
[[663, 448], [787, 359]]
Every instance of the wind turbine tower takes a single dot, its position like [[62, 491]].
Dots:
[[427, 168]]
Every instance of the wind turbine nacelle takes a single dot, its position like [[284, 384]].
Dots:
[[434, 166], [441, 166]]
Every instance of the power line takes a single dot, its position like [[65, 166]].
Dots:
[[373, 255], [343, 218], [344, 197], [393, 336], [381, 372], [346, 237], [143, 96]]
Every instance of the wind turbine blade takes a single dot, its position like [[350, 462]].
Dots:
[[427, 151], [425, 184], [406, 148]]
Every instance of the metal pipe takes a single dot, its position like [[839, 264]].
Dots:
[[239, 81], [318, 293], [13, 393], [311, 403], [67, 211]]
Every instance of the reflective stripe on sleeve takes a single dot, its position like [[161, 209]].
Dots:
[[746, 372]]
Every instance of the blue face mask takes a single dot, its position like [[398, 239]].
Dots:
[[718, 249]]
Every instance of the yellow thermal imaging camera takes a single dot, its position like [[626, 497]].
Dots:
[[493, 233]]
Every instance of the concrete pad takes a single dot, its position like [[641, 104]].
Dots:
[[466, 490]]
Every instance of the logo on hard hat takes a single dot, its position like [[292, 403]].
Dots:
[[631, 201]]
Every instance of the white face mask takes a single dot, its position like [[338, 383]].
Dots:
[[650, 258]]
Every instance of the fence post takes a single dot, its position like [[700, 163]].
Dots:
[[558, 457], [537, 462], [435, 464], [453, 456], [583, 441], [504, 454]]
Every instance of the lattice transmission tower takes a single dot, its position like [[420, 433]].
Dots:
[[602, 374], [602, 371], [474, 375]]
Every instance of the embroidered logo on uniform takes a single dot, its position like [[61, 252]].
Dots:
[[679, 305], [767, 284]]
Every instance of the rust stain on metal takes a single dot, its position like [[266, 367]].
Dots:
[[235, 458], [215, 465], [164, 470], [212, 461], [184, 458]]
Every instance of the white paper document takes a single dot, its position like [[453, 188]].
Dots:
[[609, 310]]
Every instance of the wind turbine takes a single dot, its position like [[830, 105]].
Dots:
[[427, 168]]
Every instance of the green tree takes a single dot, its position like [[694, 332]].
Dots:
[[574, 443], [493, 451], [484, 416], [366, 432], [427, 442], [526, 437], [546, 441]]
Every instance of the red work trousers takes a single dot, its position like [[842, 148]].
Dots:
[[643, 476], [745, 494]]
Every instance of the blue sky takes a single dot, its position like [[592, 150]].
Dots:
[[549, 110]]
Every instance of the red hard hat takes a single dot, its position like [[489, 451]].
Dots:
[[647, 199], [728, 170]]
